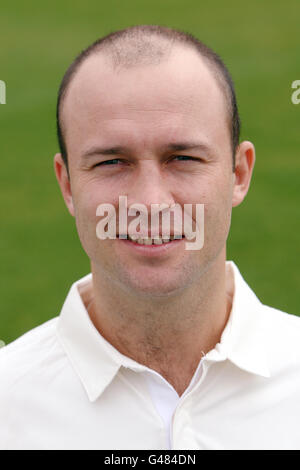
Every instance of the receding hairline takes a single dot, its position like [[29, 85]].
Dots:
[[111, 55], [119, 58], [149, 45]]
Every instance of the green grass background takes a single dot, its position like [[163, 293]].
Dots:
[[40, 253]]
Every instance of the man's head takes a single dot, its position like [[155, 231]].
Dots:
[[151, 119]]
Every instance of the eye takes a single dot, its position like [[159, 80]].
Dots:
[[185, 158], [114, 161]]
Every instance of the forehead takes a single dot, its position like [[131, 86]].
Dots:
[[178, 95]]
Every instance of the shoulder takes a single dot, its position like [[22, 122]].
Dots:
[[280, 321], [27, 355], [281, 332]]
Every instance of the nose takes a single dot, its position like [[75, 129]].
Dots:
[[149, 185], [151, 190]]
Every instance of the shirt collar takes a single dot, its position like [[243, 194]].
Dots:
[[97, 362], [94, 359], [243, 339]]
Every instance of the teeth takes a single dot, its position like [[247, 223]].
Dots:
[[150, 241]]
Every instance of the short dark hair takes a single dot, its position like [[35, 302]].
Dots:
[[135, 45]]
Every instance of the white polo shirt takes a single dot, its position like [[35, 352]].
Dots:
[[63, 386]]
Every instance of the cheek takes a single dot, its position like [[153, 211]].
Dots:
[[218, 217], [85, 205], [215, 193]]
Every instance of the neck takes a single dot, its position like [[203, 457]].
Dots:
[[169, 334]]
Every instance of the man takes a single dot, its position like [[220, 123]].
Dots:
[[159, 347]]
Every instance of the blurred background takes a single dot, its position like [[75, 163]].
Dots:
[[41, 255]]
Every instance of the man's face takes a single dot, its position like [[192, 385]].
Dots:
[[142, 110]]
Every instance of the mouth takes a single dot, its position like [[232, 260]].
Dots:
[[148, 241], [158, 248]]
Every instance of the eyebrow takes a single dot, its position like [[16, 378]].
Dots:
[[173, 146]]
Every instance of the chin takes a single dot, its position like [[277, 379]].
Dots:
[[153, 286], [153, 292]]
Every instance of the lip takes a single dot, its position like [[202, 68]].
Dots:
[[151, 250]]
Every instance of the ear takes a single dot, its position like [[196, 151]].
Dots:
[[64, 182], [244, 163]]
